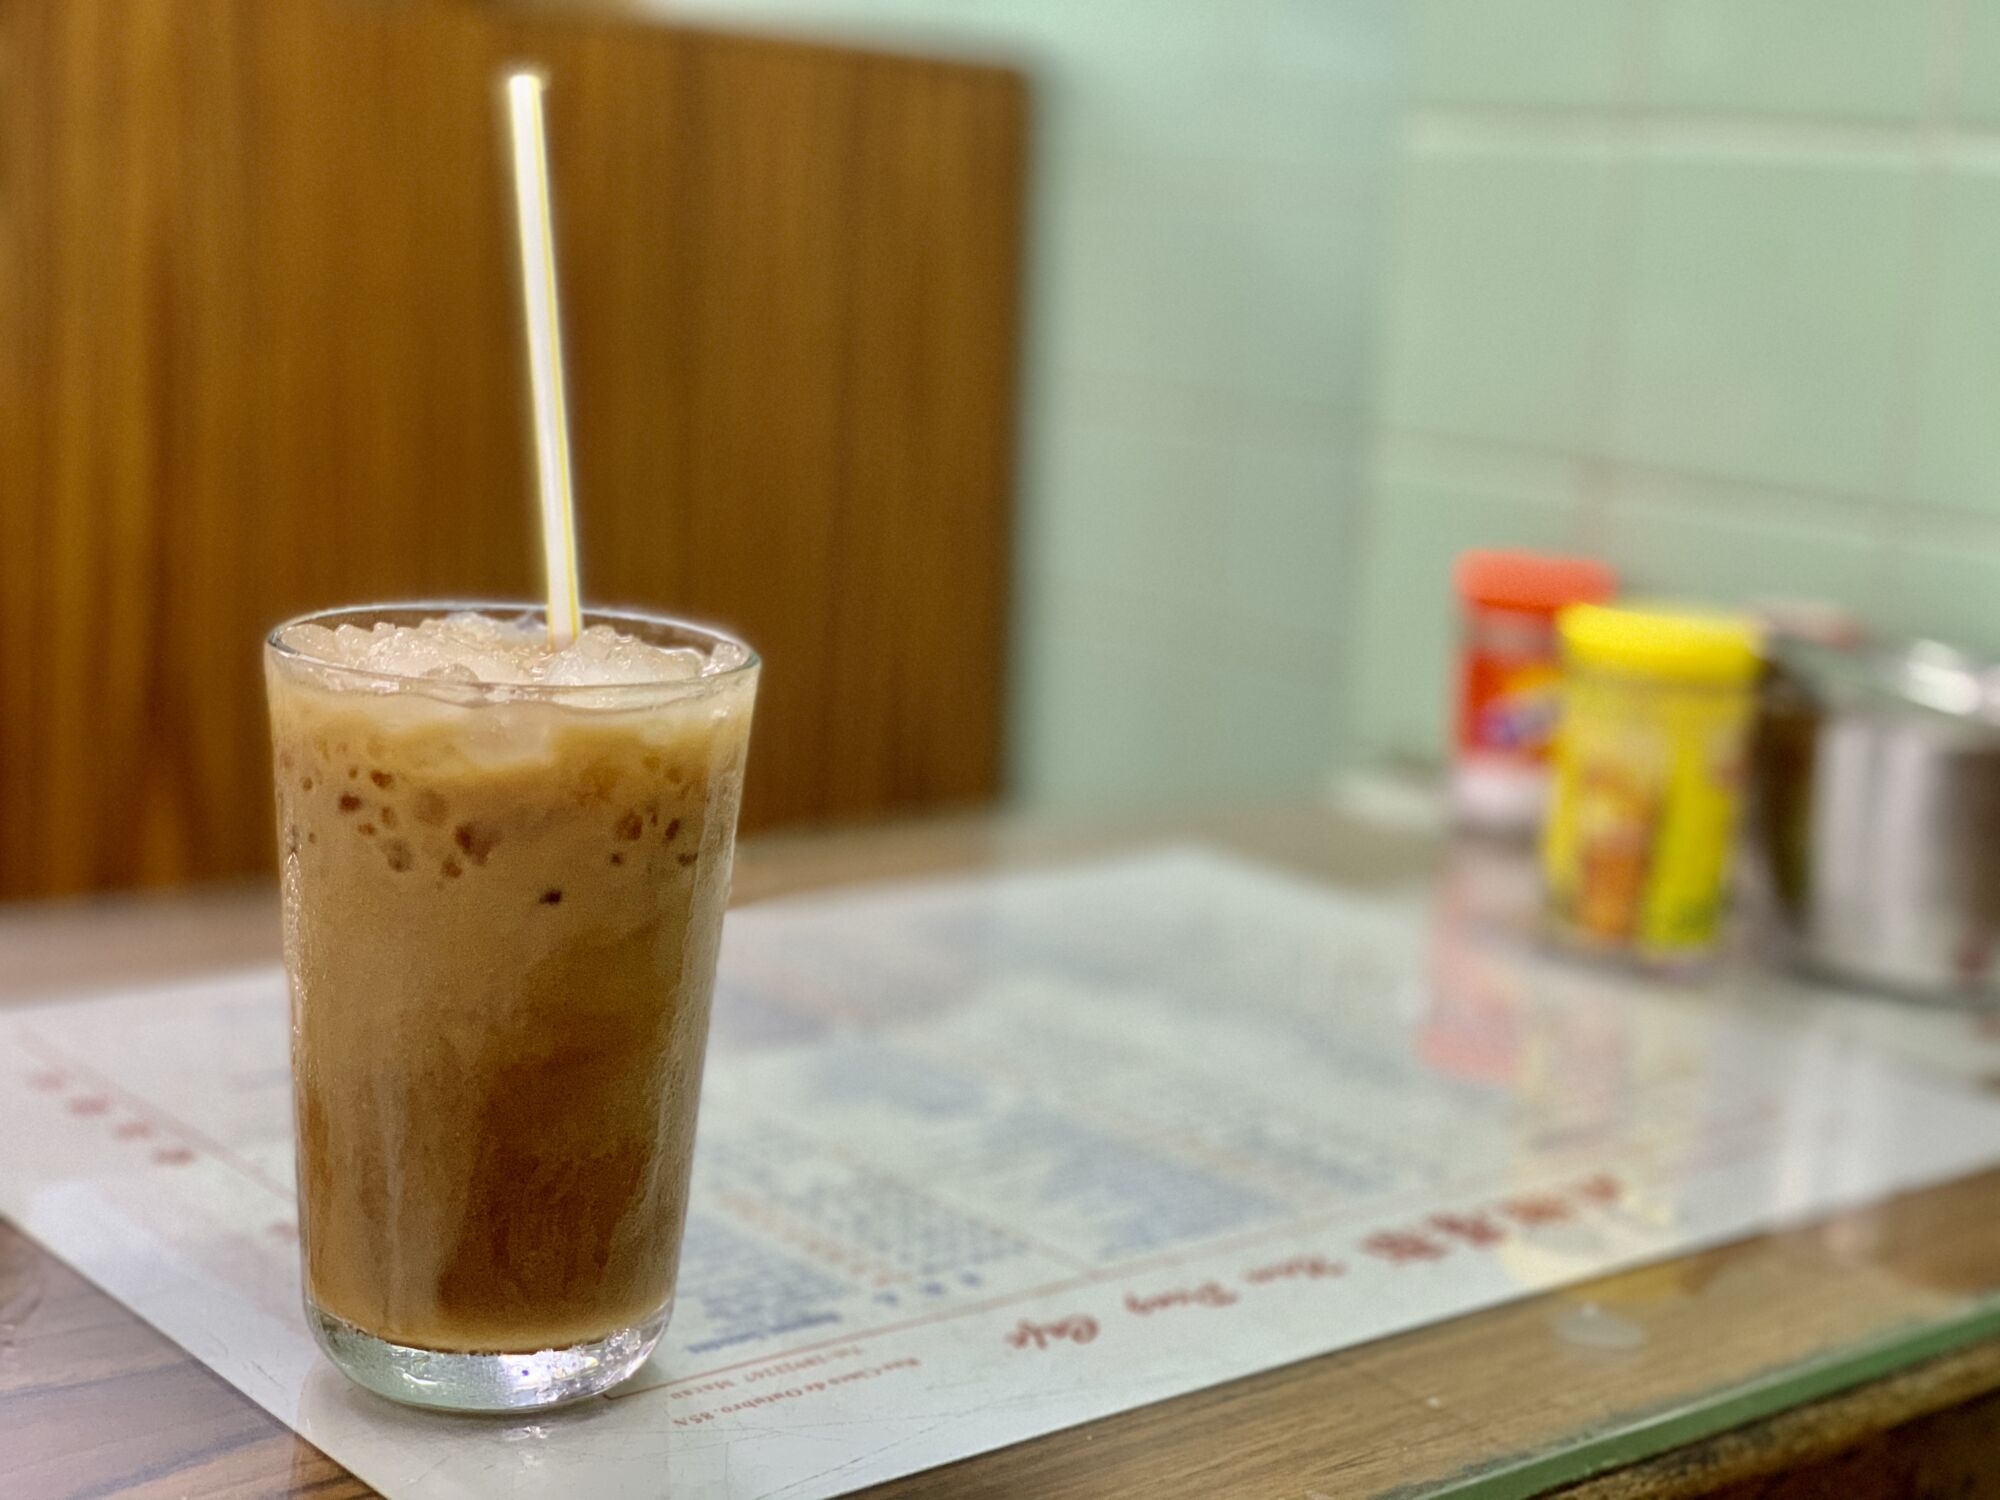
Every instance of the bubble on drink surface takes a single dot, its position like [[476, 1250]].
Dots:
[[486, 650], [476, 840], [600, 657]]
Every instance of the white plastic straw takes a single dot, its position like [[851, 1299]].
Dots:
[[544, 323]]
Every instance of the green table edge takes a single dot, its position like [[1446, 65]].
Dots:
[[1650, 1434]]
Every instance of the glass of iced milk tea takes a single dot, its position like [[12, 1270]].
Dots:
[[504, 871]]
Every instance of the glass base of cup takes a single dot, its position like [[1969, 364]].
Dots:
[[484, 1382]]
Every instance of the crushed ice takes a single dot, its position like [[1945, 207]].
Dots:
[[474, 648]]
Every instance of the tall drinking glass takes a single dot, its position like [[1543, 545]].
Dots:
[[502, 904]]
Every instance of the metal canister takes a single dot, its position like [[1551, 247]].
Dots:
[[1879, 776], [1650, 762]]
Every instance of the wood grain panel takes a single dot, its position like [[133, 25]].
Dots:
[[912, 435], [258, 354]]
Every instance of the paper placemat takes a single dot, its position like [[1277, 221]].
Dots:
[[985, 1158]]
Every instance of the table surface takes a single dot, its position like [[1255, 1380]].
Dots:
[[1872, 1316]]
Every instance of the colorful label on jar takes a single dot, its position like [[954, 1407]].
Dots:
[[1648, 780], [1509, 705]]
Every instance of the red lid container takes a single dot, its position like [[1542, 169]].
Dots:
[[1531, 582], [1510, 677]]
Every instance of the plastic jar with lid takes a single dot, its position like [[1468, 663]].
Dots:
[[1650, 765], [1509, 674]]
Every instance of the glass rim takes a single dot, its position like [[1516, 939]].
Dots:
[[546, 692]]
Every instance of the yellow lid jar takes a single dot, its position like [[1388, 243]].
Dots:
[[1649, 771]]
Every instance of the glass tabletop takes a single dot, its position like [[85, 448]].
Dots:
[[1612, 1370], [1357, 1021], [1606, 1370]]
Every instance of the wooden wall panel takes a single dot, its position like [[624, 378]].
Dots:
[[259, 353]]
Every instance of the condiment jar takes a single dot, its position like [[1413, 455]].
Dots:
[[1509, 676], [1650, 765]]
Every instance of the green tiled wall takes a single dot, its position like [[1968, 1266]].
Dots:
[[1470, 52], [1832, 59], [1709, 287], [1500, 343]]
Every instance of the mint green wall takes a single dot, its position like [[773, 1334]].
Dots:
[[1709, 287]]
